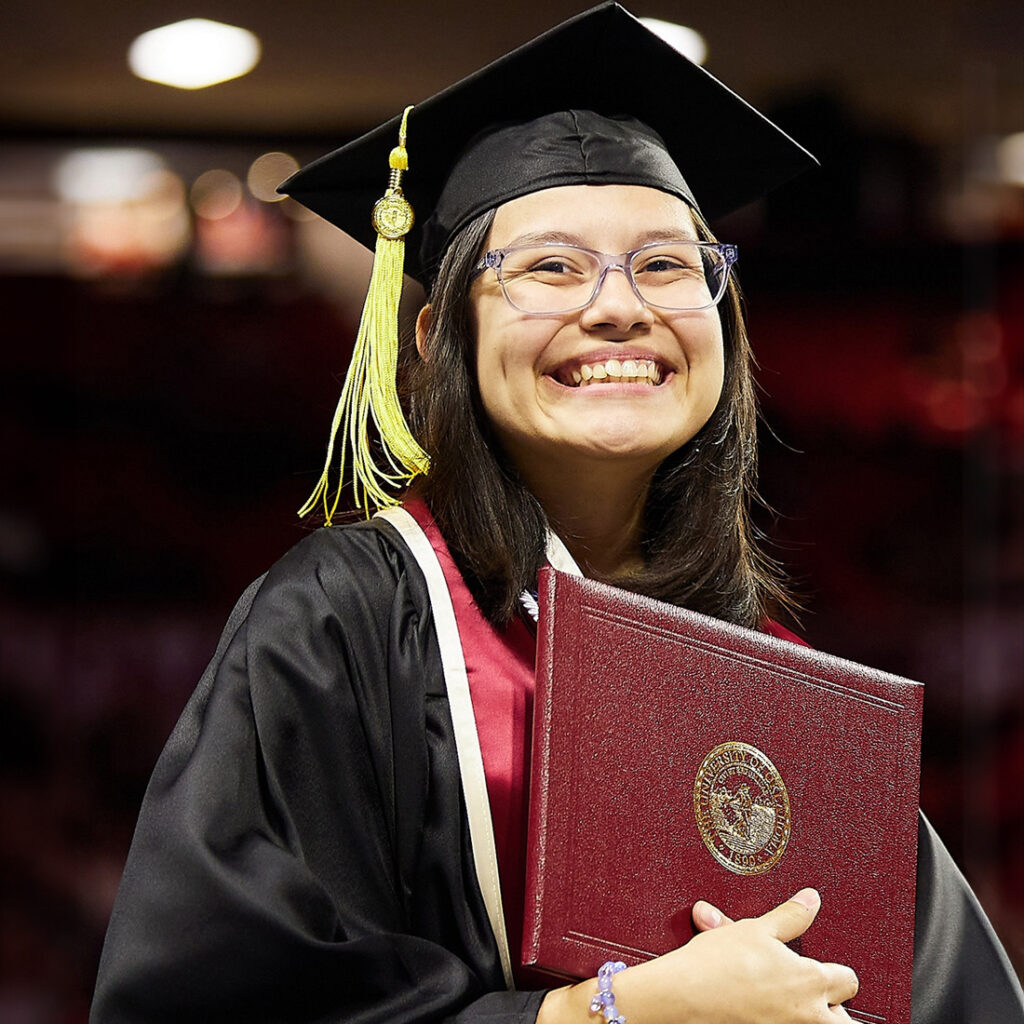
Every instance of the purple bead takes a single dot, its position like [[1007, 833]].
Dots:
[[604, 998]]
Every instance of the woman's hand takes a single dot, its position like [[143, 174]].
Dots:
[[731, 973]]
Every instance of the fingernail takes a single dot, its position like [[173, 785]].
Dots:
[[711, 916], [808, 898]]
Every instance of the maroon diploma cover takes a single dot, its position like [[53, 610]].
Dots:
[[677, 758]]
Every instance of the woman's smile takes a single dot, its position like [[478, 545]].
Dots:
[[622, 368]]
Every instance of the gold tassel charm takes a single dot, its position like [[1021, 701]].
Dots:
[[370, 390]]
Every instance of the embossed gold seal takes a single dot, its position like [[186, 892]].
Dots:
[[742, 808], [392, 215]]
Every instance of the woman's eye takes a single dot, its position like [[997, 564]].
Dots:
[[660, 264], [552, 266], [667, 265]]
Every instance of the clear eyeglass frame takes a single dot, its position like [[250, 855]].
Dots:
[[725, 251]]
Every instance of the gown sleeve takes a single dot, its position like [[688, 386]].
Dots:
[[301, 853], [961, 972]]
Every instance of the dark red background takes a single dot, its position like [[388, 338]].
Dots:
[[159, 432]]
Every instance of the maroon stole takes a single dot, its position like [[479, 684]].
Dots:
[[500, 667]]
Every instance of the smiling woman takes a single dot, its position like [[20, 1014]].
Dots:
[[335, 831], [699, 490]]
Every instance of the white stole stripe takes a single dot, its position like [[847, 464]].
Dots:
[[467, 742], [558, 555]]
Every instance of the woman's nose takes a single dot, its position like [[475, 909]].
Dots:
[[616, 304]]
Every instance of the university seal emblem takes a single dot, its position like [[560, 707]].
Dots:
[[742, 808], [392, 216]]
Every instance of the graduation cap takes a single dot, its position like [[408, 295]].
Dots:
[[599, 99]]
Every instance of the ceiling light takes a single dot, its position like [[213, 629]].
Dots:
[[216, 194], [687, 41], [105, 175], [267, 172], [193, 54], [1010, 159]]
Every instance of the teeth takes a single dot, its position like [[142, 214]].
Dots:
[[640, 371]]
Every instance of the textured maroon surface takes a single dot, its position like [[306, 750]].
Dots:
[[631, 696]]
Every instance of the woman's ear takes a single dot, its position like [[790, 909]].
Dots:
[[423, 321]]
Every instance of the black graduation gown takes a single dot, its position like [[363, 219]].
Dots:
[[302, 852]]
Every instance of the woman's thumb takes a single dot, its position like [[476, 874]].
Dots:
[[795, 916]]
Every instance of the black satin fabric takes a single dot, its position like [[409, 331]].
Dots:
[[961, 972], [302, 853]]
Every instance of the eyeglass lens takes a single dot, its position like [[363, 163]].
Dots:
[[553, 278]]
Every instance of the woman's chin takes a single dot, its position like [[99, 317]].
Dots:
[[622, 434], [629, 452], [609, 450]]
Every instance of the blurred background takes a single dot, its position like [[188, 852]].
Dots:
[[173, 340]]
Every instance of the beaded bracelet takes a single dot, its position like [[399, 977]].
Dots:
[[604, 998]]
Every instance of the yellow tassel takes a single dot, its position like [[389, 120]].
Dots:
[[370, 389]]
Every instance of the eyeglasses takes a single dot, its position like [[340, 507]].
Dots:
[[562, 278]]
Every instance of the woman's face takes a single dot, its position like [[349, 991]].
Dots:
[[527, 365]]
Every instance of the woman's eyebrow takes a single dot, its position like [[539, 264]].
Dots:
[[554, 237], [548, 237], [678, 233]]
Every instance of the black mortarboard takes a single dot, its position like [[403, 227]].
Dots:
[[600, 99], [603, 60]]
